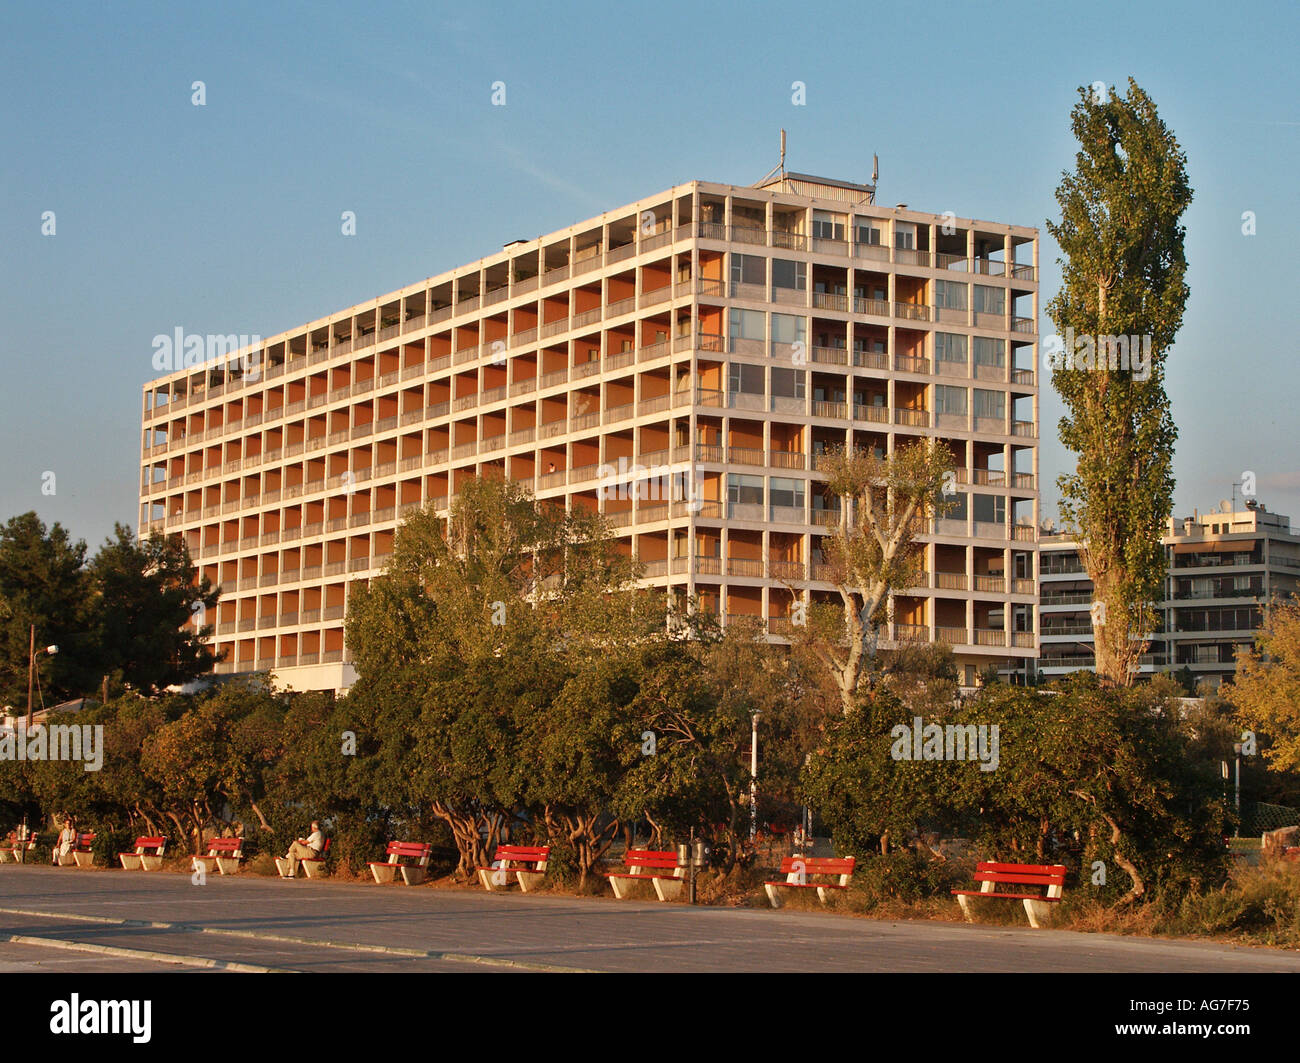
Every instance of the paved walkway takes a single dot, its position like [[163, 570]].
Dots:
[[117, 920]]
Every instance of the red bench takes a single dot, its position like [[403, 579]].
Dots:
[[225, 854], [17, 853], [147, 856], [659, 866], [527, 863], [797, 869], [412, 873], [1038, 906], [80, 854]]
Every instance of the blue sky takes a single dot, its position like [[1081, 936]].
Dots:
[[225, 218]]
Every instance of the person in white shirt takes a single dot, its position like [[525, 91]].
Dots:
[[308, 849], [67, 841]]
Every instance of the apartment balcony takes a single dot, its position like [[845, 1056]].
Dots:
[[871, 360], [747, 567], [912, 418], [912, 311], [830, 355], [830, 301], [786, 570]]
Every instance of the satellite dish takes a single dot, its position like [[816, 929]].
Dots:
[[1049, 525], [1225, 506]]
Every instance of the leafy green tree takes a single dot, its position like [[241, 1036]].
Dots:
[[1082, 774], [43, 582], [1266, 688], [219, 753], [474, 629], [330, 772], [869, 800], [873, 553], [1123, 276], [147, 593]]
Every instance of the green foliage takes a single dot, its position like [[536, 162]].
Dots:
[[1123, 275], [146, 597], [905, 876], [873, 552], [43, 582], [1083, 774], [1262, 903], [125, 615], [1266, 689]]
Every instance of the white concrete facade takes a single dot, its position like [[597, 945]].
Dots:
[[714, 336]]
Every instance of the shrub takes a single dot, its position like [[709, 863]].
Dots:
[[904, 876]]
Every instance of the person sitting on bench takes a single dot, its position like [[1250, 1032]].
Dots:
[[309, 849], [67, 841]]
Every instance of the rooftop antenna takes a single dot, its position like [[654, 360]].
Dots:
[[778, 168], [875, 176]]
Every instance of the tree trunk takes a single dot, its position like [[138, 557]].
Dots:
[[260, 818], [1139, 887]]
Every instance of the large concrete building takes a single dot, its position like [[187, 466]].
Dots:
[[1224, 567], [713, 336]]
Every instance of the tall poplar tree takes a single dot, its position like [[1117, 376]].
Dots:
[[1123, 275]]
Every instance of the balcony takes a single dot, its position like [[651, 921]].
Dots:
[[830, 300], [835, 410], [830, 355], [912, 311]]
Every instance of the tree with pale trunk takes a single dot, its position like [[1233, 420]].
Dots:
[[1266, 689], [874, 552], [1121, 300]]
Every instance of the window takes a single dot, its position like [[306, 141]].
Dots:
[[989, 351], [787, 274], [827, 226], [991, 404], [789, 383], [904, 235], [950, 400], [990, 300], [949, 347], [786, 328], [950, 294], [748, 324], [867, 231], [956, 504], [787, 492], [748, 269], [744, 490], [989, 509], [746, 378]]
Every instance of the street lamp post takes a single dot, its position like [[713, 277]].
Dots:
[[1236, 750], [753, 781], [31, 669]]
